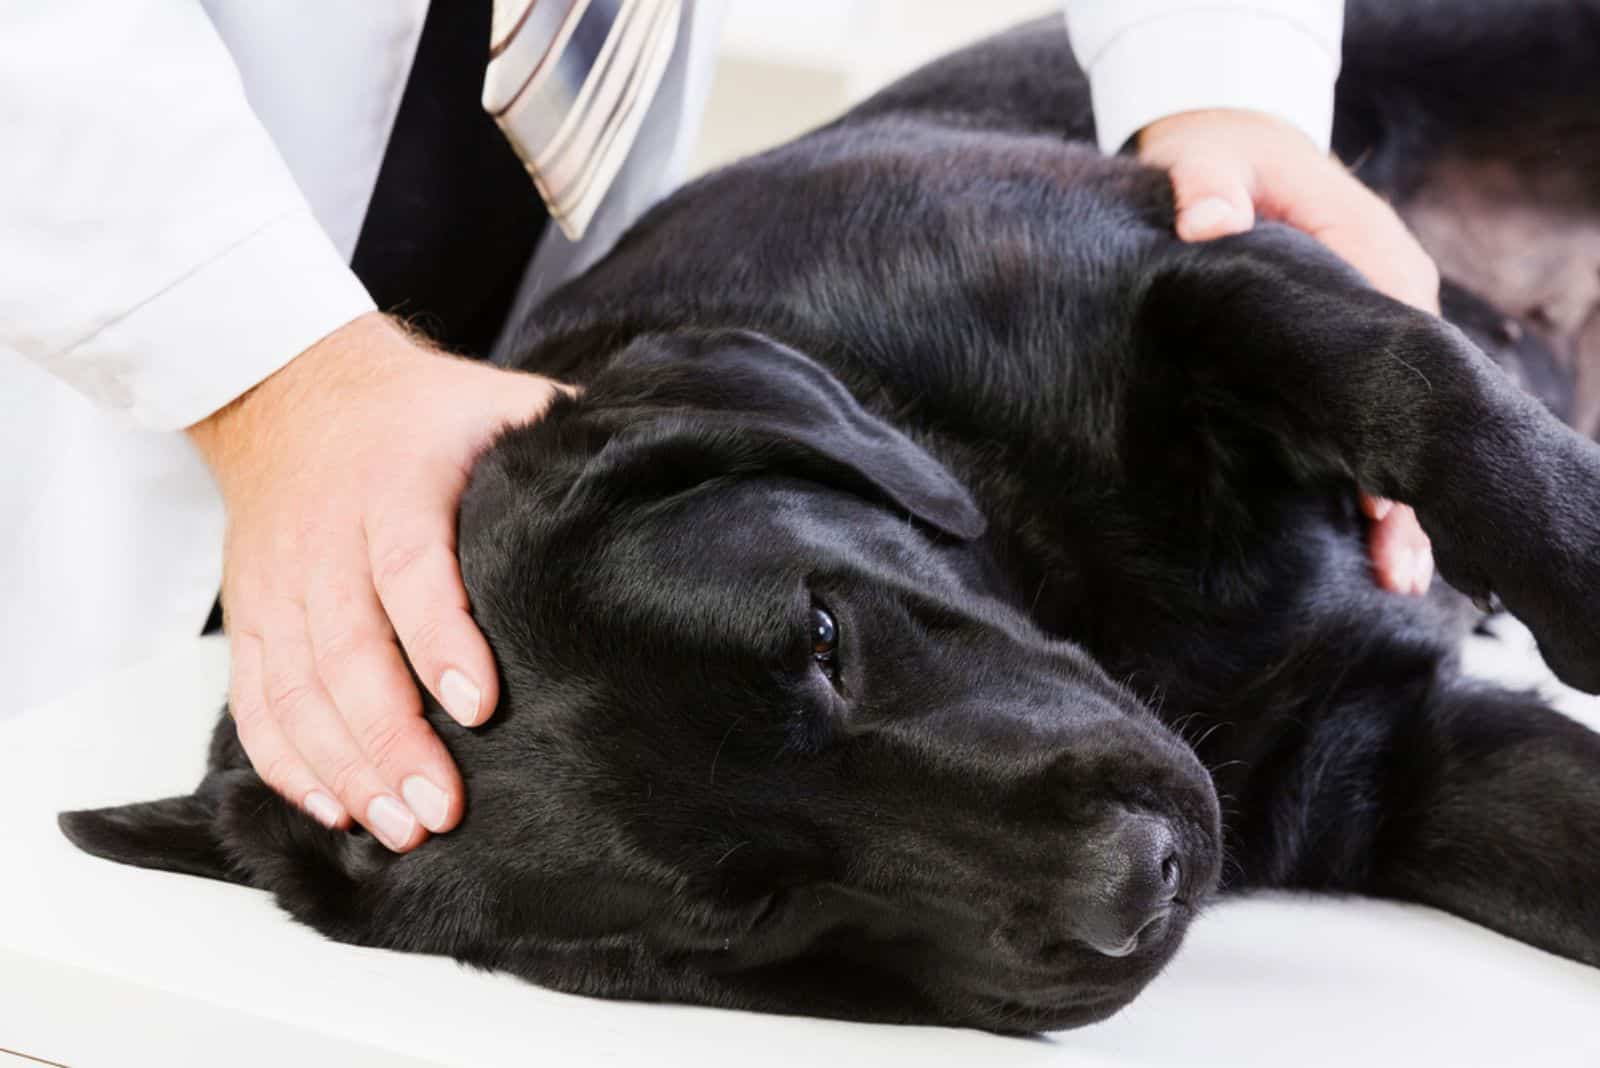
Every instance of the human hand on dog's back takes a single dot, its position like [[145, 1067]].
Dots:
[[341, 474], [1235, 98], [1230, 167]]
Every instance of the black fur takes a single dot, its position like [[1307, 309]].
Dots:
[[1084, 514]]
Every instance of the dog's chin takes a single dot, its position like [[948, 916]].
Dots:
[[1062, 1008], [1080, 988], [1026, 1017]]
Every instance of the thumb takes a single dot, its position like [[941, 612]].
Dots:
[[1212, 197], [1367, 234]]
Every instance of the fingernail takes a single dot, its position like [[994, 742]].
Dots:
[[1381, 506], [1210, 217], [1423, 575], [322, 808], [391, 821], [1404, 571], [426, 800], [461, 698]]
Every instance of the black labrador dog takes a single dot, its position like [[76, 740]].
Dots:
[[947, 579]]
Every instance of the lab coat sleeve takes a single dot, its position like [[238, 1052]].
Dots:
[[1147, 59], [157, 254]]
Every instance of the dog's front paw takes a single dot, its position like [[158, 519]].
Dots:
[[1573, 657], [1552, 580], [1517, 517]]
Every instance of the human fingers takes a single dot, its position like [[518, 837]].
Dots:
[[418, 582], [277, 761], [360, 666], [299, 703], [1327, 202], [1212, 176], [1212, 196], [1402, 555]]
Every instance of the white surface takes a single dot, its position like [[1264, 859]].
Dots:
[[107, 965]]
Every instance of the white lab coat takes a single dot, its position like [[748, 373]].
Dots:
[[182, 187]]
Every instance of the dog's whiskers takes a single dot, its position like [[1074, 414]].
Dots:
[[718, 754], [1208, 733], [730, 853]]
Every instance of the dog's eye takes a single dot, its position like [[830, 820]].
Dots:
[[824, 635]]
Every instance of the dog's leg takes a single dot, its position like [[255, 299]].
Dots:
[[1270, 335], [1475, 800]]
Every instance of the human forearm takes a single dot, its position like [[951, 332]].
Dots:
[[160, 258]]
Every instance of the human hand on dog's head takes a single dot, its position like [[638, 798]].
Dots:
[[1230, 167], [341, 474]]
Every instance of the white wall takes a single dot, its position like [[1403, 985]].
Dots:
[[787, 65]]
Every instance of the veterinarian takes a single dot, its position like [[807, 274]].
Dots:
[[205, 204]]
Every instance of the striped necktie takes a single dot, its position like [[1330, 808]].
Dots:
[[569, 82]]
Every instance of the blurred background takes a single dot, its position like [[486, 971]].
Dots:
[[786, 67]]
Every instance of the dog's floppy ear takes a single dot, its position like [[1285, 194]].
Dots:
[[175, 834], [729, 402]]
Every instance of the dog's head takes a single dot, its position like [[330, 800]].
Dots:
[[771, 734], [770, 723]]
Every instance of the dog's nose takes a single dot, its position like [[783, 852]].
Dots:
[[1136, 875]]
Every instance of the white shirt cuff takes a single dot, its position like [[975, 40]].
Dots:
[[1234, 58], [220, 329]]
